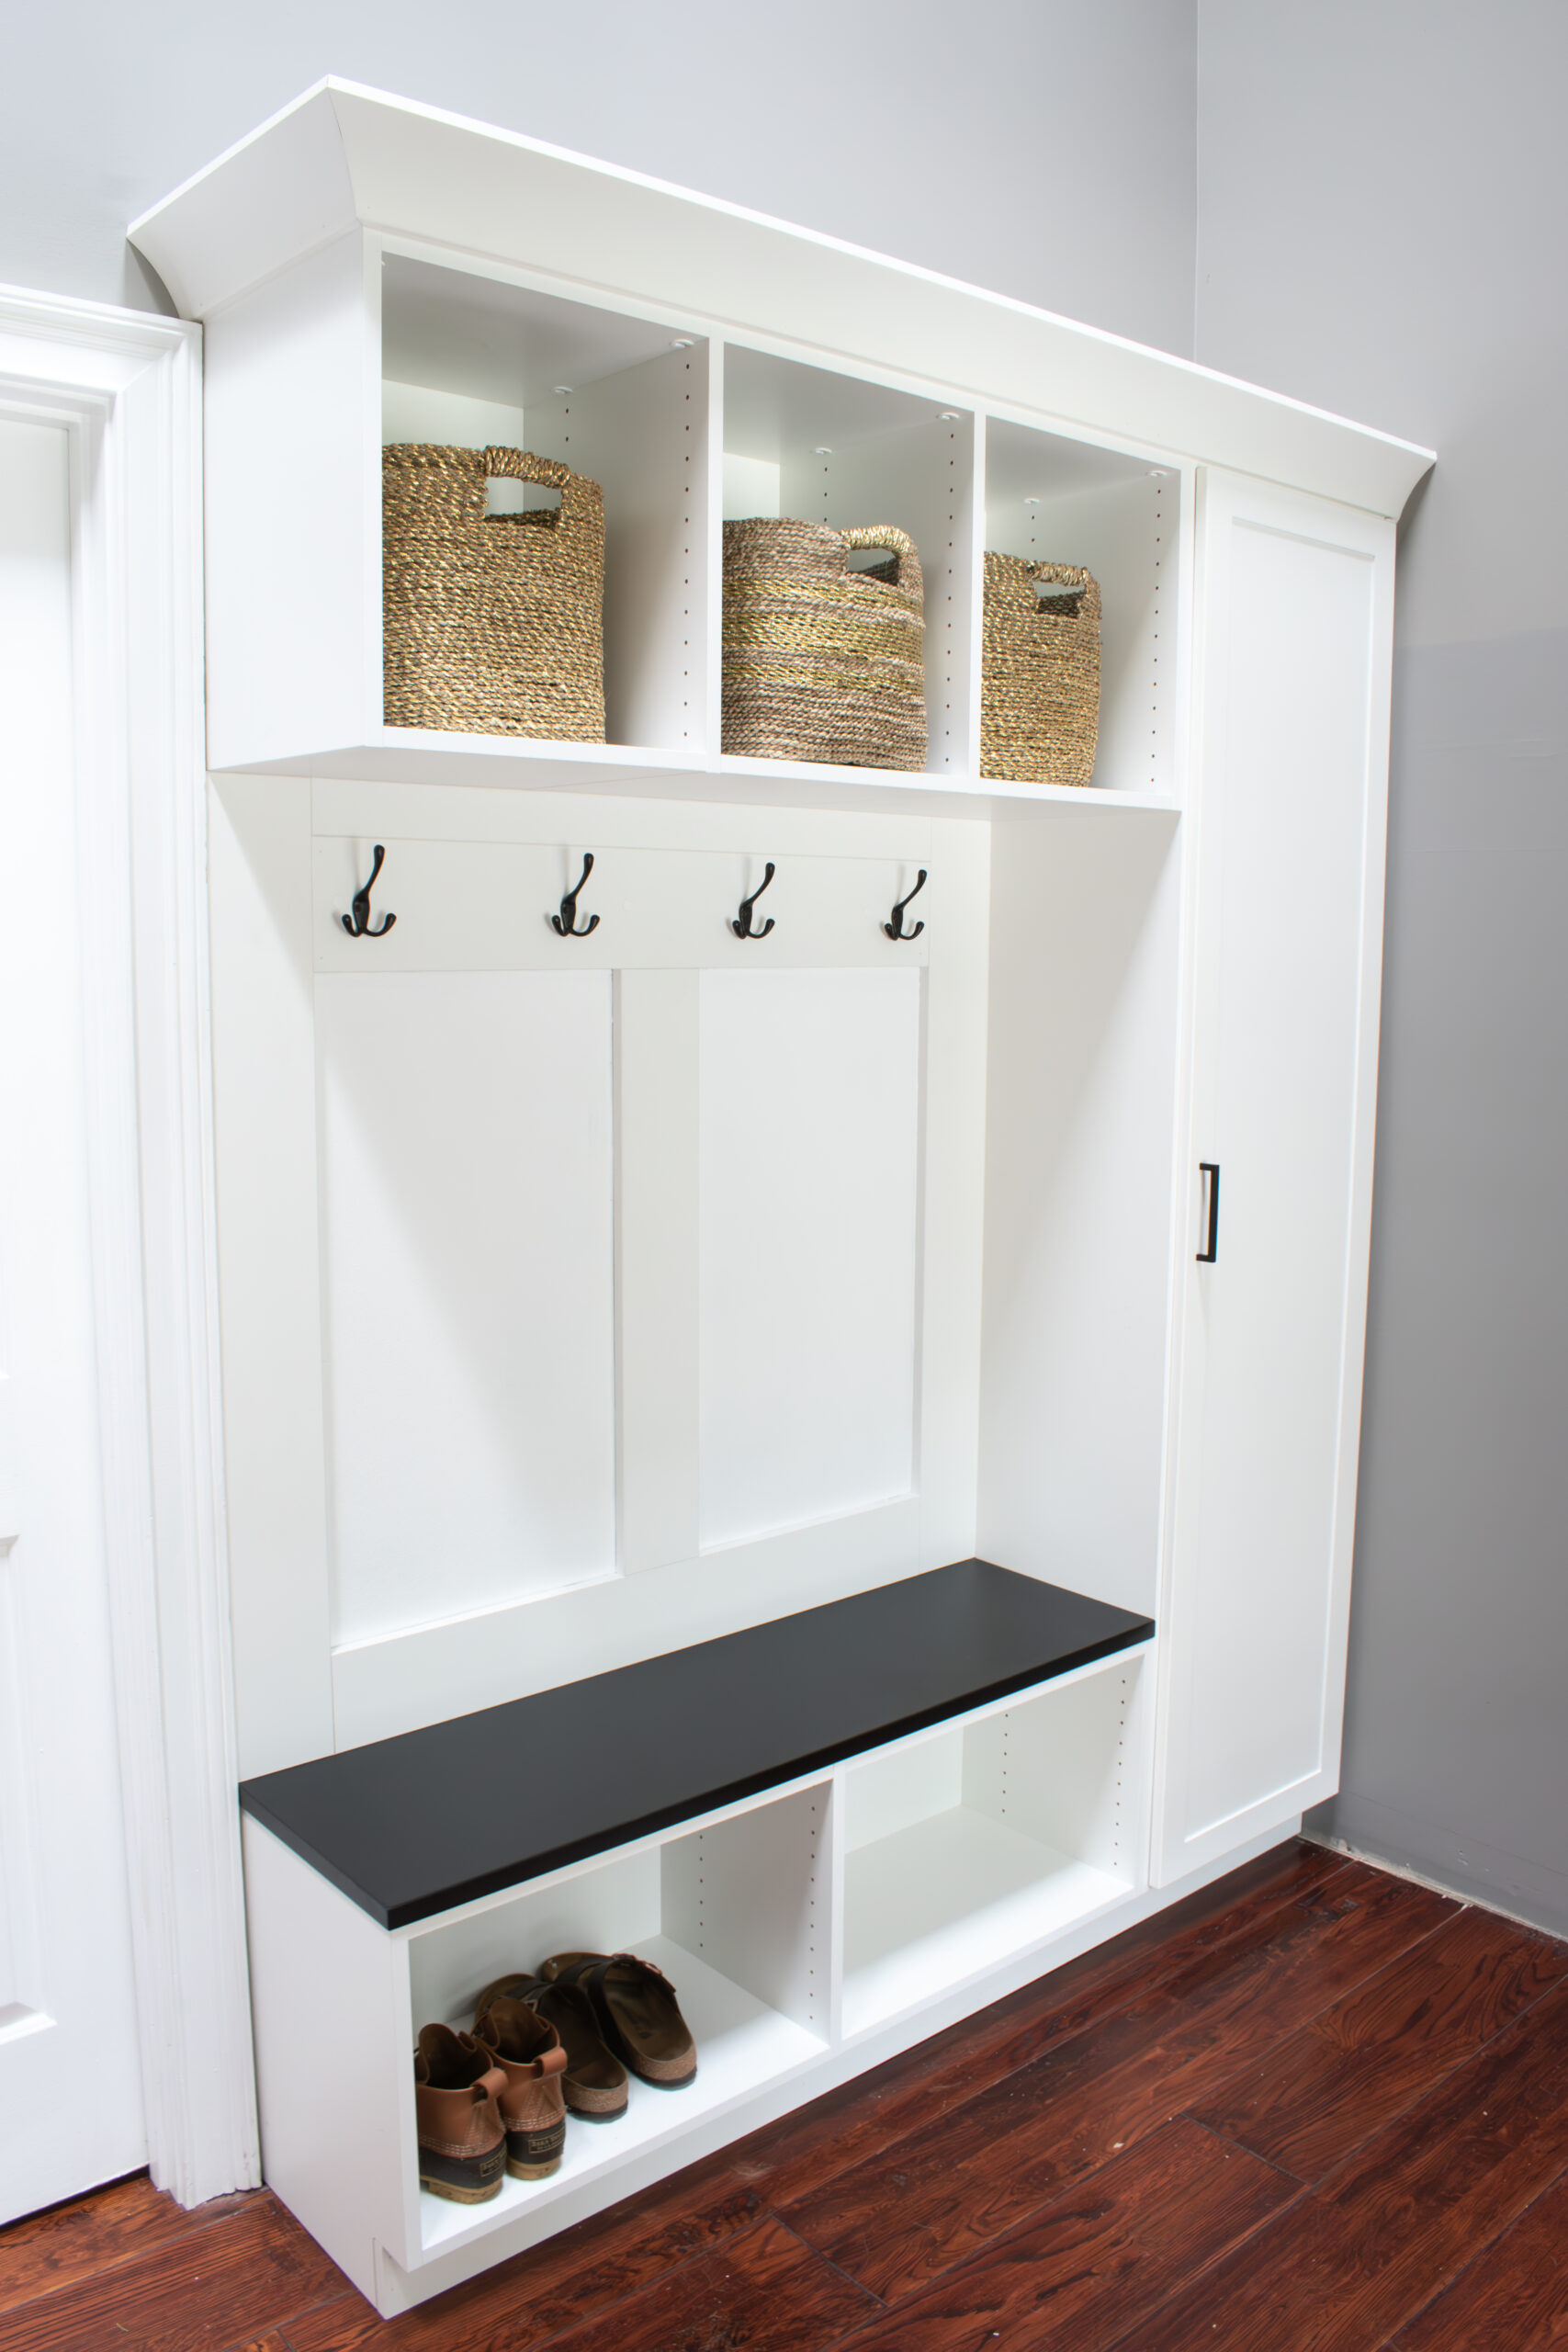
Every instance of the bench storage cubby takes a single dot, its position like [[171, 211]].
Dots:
[[935, 1794]]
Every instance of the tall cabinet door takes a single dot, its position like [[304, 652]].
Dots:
[[1295, 605]]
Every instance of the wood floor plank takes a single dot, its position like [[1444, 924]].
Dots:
[[1512, 2298], [585, 2269], [1314, 2096], [74, 2241], [1097, 2259], [558, 2285], [241, 2276], [1354, 2260], [798, 2154], [936, 2196], [764, 2289]]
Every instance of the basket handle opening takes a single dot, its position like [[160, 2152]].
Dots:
[[523, 489], [508, 499], [878, 548], [1050, 592]]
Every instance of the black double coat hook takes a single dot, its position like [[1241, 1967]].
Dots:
[[894, 928], [360, 925], [565, 924], [740, 924]]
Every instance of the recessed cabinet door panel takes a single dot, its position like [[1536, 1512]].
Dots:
[[468, 1278], [807, 1320], [1294, 783]]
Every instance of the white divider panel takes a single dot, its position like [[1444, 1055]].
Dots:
[[749, 1896], [810, 1085], [467, 1214], [641, 435]]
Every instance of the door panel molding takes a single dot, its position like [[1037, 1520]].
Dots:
[[127, 388]]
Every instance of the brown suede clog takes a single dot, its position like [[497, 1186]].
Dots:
[[636, 2009]]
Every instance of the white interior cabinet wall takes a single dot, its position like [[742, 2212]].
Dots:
[[1084, 1034], [1294, 682]]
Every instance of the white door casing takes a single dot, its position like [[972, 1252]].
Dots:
[[125, 390], [70, 2080], [1295, 605]]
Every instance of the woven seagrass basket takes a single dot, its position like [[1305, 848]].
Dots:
[[821, 661], [492, 623], [1039, 671]]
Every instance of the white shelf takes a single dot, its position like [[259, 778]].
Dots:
[[514, 763], [742, 2046], [947, 1899]]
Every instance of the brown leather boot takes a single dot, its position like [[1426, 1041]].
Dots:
[[594, 2083], [462, 2143], [532, 2109]]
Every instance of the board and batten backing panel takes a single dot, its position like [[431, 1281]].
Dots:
[[468, 1273], [471, 877]]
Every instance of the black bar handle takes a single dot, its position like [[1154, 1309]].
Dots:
[[1211, 1169]]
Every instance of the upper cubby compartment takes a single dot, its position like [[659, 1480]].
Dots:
[[476, 362], [821, 446], [363, 345], [1053, 500]]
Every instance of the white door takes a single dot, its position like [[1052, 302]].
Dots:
[[1296, 600], [70, 2084]]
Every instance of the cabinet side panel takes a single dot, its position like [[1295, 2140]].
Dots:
[[264, 1127], [331, 2049], [293, 606], [1079, 1109]]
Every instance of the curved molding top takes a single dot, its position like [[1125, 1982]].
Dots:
[[344, 157]]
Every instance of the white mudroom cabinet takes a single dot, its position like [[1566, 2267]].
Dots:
[[595, 1299]]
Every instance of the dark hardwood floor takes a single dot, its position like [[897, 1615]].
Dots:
[[1313, 2107]]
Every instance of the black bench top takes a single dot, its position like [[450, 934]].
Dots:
[[410, 1826]]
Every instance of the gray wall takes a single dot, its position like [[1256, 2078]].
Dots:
[[1381, 202], [1007, 142], [1384, 226]]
